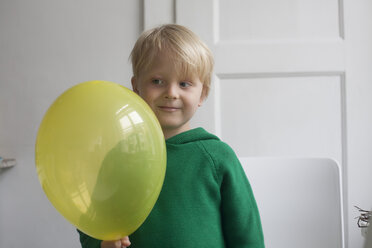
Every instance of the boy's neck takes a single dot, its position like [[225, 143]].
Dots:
[[168, 133]]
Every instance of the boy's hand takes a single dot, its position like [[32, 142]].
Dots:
[[121, 243]]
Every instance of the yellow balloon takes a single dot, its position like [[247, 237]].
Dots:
[[101, 158]]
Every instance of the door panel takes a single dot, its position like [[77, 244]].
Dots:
[[283, 115]]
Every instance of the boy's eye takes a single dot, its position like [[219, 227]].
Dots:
[[185, 84], [157, 81]]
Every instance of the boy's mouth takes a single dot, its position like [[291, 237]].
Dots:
[[168, 108]]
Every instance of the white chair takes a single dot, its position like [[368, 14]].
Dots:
[[299, 201]]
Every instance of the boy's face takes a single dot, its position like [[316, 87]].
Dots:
[[174, 99]]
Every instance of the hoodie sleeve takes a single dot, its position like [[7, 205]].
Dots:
[[240, 216], [88, 242]]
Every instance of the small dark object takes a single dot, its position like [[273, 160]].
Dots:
[[364, 218]]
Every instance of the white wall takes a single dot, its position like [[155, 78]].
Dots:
[[46, 46]]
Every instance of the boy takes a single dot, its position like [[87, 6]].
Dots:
[[206, 200]]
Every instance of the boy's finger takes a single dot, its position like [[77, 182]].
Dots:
[[125, 242], [111, 244], [118, 244]]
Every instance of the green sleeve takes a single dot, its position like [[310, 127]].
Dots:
[[88, 242], [240, 217]]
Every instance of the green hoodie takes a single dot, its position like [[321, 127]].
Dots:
[[206, 200]]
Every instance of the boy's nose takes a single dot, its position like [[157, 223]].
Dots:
[[171, 92]]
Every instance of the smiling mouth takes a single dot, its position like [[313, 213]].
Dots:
[[168, 109]]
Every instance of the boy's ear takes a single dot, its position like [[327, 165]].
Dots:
[[134, 84]]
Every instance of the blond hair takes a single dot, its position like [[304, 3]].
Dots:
[[189, 53]]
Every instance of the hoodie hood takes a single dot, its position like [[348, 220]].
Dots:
[[192, 135]]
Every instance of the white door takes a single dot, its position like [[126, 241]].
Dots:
[[279, 87]]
